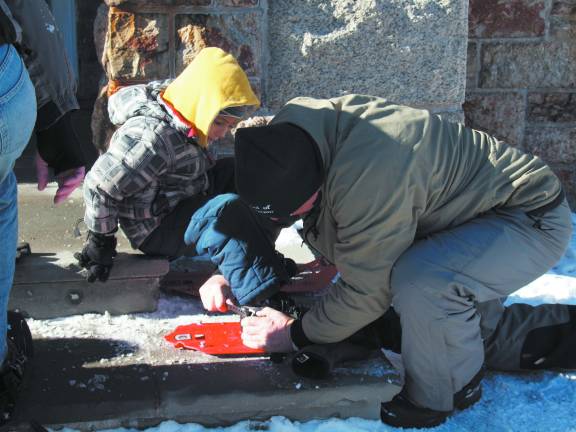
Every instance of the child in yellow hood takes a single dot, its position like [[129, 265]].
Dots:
[[157, 172], [211, 95]]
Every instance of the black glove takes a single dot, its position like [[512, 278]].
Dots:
[[291, 267], [97, 256], [284, 303]]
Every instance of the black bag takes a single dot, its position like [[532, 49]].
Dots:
[[318, 361]]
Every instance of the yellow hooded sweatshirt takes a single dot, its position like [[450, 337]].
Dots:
[[211, 82]]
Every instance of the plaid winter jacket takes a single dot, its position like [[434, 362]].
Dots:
[[150, 166]]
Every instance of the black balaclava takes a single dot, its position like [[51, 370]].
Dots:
[[278, 168]]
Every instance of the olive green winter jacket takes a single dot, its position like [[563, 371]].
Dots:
[[394, 174]]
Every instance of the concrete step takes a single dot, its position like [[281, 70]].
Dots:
[[101, 370], [92, 382]]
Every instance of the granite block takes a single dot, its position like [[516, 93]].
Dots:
[[158, 2], [563, 19], [413, 51], [238, 34], [529, 65], [225, 393], [567, 175], [472, 67], [551, 107], [554, 145], [237, 3], [499, 114], [511, 18], [138, 46]]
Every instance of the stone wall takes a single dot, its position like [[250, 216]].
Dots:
[[521, 79], [412, 51], [144, 40], [519, 82], [149, 40]]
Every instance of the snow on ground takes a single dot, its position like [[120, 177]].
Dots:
[[531, 402]]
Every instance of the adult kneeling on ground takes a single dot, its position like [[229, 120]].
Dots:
[[440, 221]]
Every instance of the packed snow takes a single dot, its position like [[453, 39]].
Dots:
[[542, 401]]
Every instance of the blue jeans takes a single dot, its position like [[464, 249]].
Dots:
[[17, 118]]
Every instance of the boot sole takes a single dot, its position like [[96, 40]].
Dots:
[[465, 403]]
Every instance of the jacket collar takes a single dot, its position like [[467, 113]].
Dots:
[[179, 122]]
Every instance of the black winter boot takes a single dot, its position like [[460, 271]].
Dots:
[[401, 412], [12, 370], [470, 393], [551, 347]]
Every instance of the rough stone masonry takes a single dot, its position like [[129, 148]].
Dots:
[[411, 51], [521, 58]]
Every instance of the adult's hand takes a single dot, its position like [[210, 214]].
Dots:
[[67, 180], [214, 293], [268, 329], [97, 256]]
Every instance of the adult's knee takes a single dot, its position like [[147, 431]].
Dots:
[[417, 284], [408, 274]]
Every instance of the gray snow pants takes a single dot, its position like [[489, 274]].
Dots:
[[448, 289]]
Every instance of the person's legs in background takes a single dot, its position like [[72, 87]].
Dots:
[[17, 118], [521, 336]]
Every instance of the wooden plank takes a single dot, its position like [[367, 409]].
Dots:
[[60, 299], [63, 267]]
